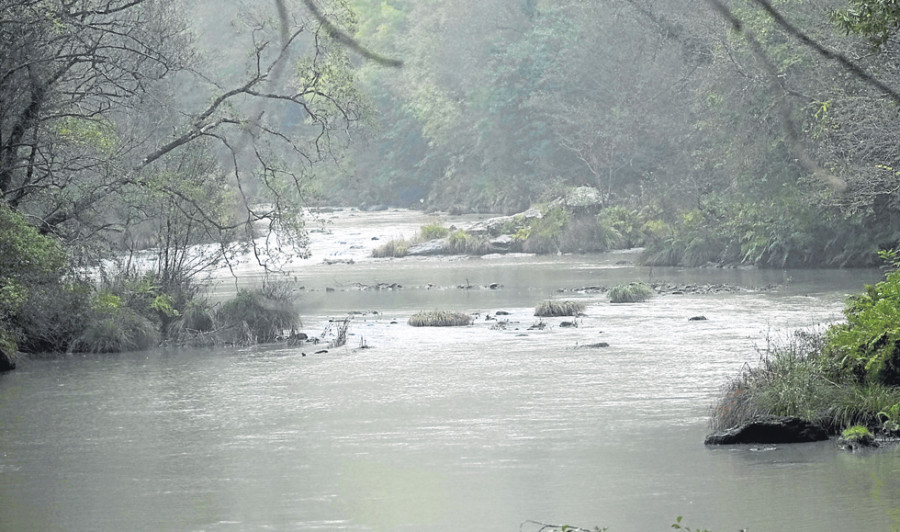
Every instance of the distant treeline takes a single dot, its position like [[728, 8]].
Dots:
[[747, 146]]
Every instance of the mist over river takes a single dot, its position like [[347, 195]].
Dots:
[[441, 429]]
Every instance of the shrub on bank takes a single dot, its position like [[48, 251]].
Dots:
[[439, 318], [553, 308], [630, 293], [256, 317], [113, 329]]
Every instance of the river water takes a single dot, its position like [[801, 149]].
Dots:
[[476, 428]]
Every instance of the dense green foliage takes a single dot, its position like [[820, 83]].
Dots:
[[868, 345], [877, 20]]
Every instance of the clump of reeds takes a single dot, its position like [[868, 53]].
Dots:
[[439, 318], [630, 293], [391, 248], [258, 317], [559, 308]]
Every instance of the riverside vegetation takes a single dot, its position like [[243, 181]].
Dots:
[[845, 376]]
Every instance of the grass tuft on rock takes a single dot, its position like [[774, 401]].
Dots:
[[439, 318], [630, 293], [552, 308]]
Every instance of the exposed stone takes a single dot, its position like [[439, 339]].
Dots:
[[432, 247], [697, 318], [501, 243], [595, 346], [494, 226], [773, 430]]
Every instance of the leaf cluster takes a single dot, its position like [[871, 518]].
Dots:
[[868, 345]]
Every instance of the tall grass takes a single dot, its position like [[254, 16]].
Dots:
[[432, 231], [392, 248], [252, 317], [462, 243], [439, 318], [559, 308], [630, 293]]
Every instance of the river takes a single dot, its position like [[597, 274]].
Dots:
[[476, 428]]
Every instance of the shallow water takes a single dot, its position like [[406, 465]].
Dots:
[[471, 428]]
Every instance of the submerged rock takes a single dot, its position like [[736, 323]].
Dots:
[[774, 430]]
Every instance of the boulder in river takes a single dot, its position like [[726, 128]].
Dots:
[[494, 226], [432, 247], [771, 430]]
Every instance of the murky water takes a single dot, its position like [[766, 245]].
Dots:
[[475, 428]]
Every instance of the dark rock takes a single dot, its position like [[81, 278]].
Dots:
[[321, 352], [595, 346], [568, 324], [502, 313], [774, 430], [697, 318], [7, 360], [494, 286]]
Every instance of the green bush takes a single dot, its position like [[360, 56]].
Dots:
[[252, 317], [462, 243], [439, 318], [54, 316], [433, 231], [117, 329], [857, 434], [552, 308], [543, 234], [868, 345], [629, 293]]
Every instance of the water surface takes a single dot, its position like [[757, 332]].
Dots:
[[474, 428]]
